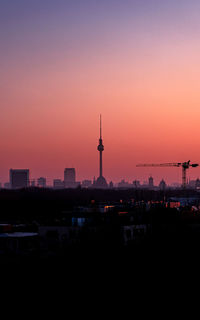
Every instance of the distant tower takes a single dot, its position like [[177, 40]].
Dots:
[[111, 185], [101, 181], [162, 185], [151, 182], [100, 148]]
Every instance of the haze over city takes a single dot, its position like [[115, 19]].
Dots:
[[65, 62]]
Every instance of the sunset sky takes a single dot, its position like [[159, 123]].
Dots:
[[63, 62]]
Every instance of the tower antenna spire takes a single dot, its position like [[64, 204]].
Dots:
[[100, 128]]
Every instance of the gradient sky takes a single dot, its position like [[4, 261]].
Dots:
[[62, 63]]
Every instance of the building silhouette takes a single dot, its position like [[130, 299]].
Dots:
[[58, 184], [136, 184], [19, 178], [32, 183], [124, 184], [6, 185], [151, 185], [162, 185], [86, 183], [111, 185], [197, 184], [41, 182], [70, 178], [101, 181]]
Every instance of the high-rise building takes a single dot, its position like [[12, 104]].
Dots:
[[101, 181], [41, 182], [70, 178], [151, 185], [19, 178]]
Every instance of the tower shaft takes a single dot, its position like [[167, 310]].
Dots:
[[100, 165]]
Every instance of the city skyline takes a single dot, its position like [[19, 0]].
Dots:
[[65, 62], [20, 178], [69, 178]]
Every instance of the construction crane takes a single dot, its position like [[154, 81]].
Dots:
[[184, 165]]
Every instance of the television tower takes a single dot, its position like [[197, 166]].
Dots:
[[101, 181], [100, 148]]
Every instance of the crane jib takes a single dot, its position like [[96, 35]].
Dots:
[[184, 165]]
